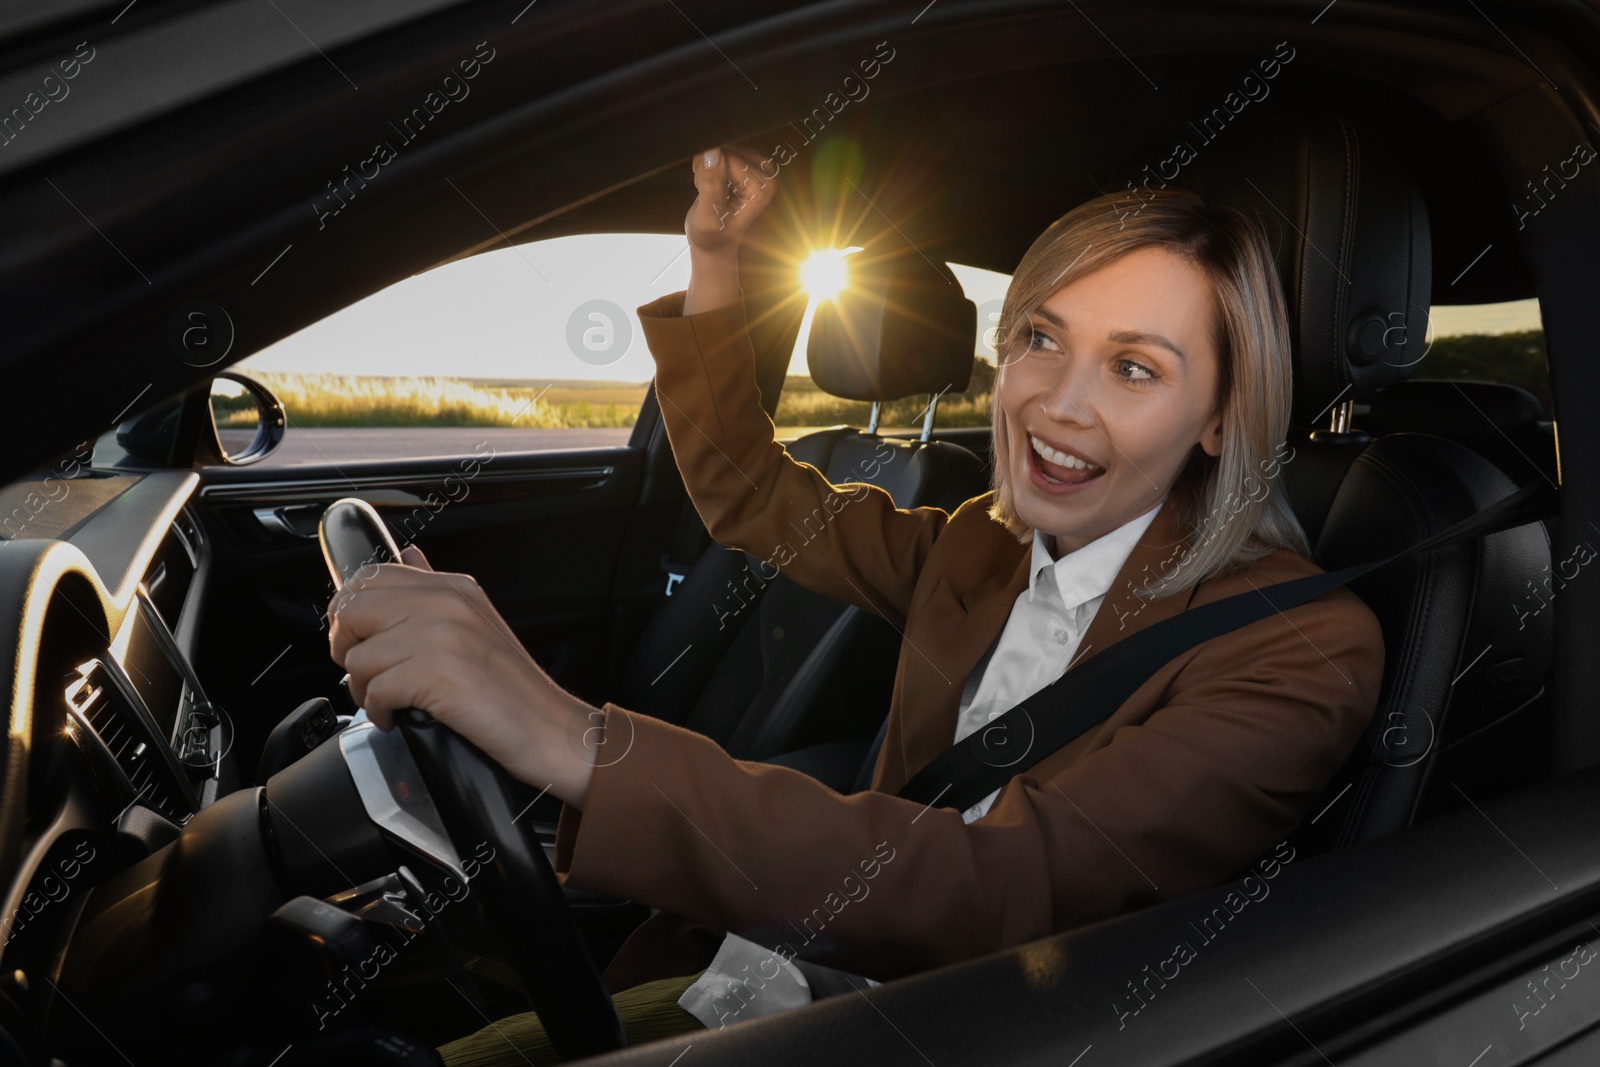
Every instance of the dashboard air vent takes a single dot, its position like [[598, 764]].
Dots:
[[101, 706]]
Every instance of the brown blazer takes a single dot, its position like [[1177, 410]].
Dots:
[[1209, 764]]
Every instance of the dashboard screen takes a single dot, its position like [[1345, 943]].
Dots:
[[149, 665]]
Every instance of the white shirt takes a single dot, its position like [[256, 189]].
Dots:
[[1042, 634], [1041, 637]]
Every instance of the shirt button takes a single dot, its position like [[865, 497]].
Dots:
[[1061, 637]]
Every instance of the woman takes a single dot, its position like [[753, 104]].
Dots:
[[1139, 412]]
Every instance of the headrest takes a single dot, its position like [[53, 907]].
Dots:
[[901, 327], [1351, 232], [1452, 409]]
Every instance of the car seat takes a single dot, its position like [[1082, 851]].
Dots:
[[1461, 712]]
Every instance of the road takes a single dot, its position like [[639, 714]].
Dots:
[[303, 446]]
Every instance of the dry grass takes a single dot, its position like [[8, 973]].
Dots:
[[346, 400], [349, 400]]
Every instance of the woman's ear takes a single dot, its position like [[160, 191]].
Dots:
[[1211, 438]]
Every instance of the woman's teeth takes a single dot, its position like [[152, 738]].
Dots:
[[1060, 459]]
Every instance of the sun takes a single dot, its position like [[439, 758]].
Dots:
[[824, 273]]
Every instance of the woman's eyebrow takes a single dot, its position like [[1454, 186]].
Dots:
[[1134, 337], [1122, 337]]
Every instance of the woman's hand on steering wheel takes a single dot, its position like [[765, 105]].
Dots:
[[413, 637]]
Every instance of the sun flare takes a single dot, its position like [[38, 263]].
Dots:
[[824, 274]]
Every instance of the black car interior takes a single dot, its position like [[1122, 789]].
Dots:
[[203, 844], [1355, 256]]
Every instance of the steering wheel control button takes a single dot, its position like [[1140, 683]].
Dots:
[[302, 730]]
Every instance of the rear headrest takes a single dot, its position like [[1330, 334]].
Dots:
[[1351, 232], [1457, 410], [901, 327]]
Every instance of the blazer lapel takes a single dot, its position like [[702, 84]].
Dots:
[[1123, 611], [970, 598], [961, 622]]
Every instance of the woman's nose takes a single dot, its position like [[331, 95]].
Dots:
[[1069, 398]]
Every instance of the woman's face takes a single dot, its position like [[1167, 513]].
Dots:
[[1120, 372]]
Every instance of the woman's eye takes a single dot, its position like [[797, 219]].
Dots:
[[1040, 340], [1141, 373]]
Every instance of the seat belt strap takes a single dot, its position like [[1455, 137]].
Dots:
[[689, 540], [1092, 691]]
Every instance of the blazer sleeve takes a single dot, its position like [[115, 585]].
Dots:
[[1247, 734], [847, 541]]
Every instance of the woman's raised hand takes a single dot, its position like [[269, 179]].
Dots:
[[733, 191]]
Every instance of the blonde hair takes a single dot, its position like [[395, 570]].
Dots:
[[1216, 495]]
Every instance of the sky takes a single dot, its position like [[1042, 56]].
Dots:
[[566, 308]]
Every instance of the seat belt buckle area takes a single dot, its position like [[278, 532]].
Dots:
[[676, 572]]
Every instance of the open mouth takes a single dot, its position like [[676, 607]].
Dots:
[[1058, 468]]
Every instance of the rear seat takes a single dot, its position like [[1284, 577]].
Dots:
[[772, 666]]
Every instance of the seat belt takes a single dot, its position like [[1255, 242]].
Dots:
[[689, 540], [1088, 694]]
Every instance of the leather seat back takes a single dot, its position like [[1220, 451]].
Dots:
[[1460, 712], [1467, 644]]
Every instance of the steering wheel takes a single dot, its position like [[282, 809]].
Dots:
[[521, 898]]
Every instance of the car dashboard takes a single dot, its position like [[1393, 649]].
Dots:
[[112, 745]]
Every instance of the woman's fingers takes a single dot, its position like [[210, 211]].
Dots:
[[706, 224], [412, 556], [357, 618], [418, 639], [390, 595], [408, 648], [393, 594], [751, 185], [398, 670], [733, 190], [368, 661], [406, 612]]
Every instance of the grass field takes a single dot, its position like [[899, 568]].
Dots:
[[349, 401], [343, 400]]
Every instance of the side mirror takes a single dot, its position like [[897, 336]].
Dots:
[[247, 420]]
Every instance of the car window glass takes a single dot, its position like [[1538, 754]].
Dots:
[[1501, 342], [539, 346], [526, 348]]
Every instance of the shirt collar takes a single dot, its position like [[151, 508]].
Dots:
[[1087, 573]]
